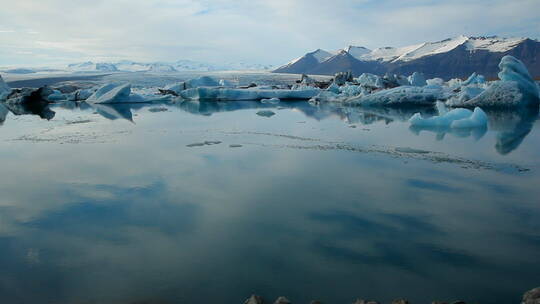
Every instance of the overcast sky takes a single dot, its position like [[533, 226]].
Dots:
[[256, 31]]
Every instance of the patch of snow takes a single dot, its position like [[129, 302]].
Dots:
[[493, 44], [357, 51], [431, 48]]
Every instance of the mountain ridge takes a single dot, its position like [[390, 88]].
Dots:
[[454, 57]]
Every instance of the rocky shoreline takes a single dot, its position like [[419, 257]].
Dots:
[[530, 297]]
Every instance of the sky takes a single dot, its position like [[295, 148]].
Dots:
[[48, 32]]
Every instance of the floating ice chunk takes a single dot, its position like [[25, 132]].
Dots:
[[306, 80], [56, 96], [114, 93], [516, 88], [465, 94], [478, 119], [5, 90], [474, 79], [400, 96], [225, 83], [80, 95], [111, 93], [514, 70], [203, 81], [334, 88], [226, 94], [417, 79], [350, 90], [270, 100], [3, 113], [454, 82], [435, 81], [457, 118], [327, 96], [370, 80], [175, 87], [444, 120]]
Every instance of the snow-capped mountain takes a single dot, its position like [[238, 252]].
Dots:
[[91, 66], [161, 67], [454, 57], [306, 62]]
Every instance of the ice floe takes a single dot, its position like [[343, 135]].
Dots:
[[456, 118]]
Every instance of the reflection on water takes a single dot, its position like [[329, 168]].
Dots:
[[136, 213]]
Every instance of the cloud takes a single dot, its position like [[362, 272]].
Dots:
[[253, 31]]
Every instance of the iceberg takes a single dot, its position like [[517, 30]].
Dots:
[[515, 89], [56, 96], [5, 90], [203, 81], [454, 119], [435, 81], [229, 94], [370, 80], [3, 114], [474, 79], [114, 93], [417, 80], [400, 96]]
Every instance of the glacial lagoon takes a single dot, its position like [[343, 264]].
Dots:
[[190, 202]]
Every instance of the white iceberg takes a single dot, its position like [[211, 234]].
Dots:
[[400, 96], [370, 80], [516, 88], [456, 118], [114, 93]]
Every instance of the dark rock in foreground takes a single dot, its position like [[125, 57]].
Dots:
[[532, 296]]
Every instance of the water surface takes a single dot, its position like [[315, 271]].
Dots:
[[209, 202]]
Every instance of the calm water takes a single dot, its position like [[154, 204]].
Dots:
[[129, 204]]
